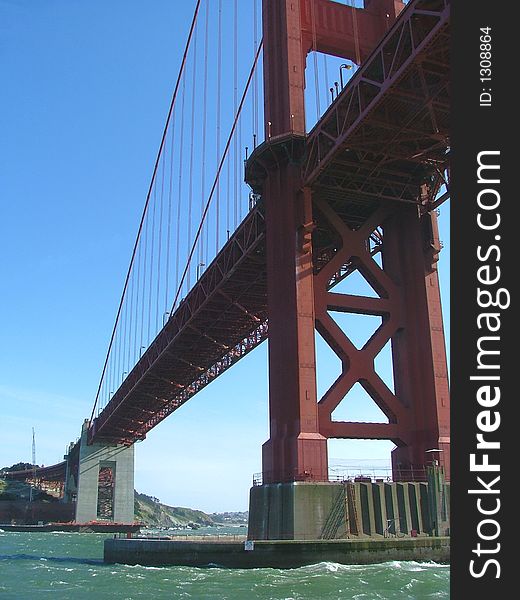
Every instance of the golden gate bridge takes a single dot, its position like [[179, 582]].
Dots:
[[256, 212]]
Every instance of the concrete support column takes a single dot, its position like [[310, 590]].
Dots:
[[70, 487], [366, 503], [437, 495], [392, 509], [403, 507], [105, 482], [297, 511], [424, 511], [378, 493]]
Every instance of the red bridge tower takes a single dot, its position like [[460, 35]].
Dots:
[[317, 234]]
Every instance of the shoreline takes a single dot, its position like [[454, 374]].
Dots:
[[74, 527]]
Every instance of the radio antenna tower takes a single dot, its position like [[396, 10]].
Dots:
[[33, 467]]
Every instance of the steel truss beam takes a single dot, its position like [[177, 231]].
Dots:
[[222, 319], [358, 365], [394, 112]]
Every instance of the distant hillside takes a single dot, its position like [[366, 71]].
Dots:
[[21, 466], [153, 513], [230, 518], [19, 490], [148, 509]]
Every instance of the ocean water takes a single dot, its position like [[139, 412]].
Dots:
[[70, 566]]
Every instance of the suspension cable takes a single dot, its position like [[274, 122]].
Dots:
[[203, 242], [219, 169], [178, 238], [179, 76], [255, 76], [326, 70], [235, 107], [356, 34], [192, 150], [159, 253], [219, 104], [315, 57], [145, 262], [150, 286], [168, 234], [137, 303]]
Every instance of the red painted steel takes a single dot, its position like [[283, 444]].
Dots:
[[362, 182], [340, 30], [50, 473], [296, 447], [220, 321], [372, 166]]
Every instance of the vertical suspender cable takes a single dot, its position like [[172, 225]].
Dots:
[[192, 150], [159, 251], [235, 105], [255, 76], [239, 172], [219, 169], [118, 347], [203, 241], [181, 195], [143, 296], [219, 99], [326, 71], [168, 233], [240, 149], [136, 343], [228, 196], [150, 283], [130, 320], [179, 76], [356, 34], [123, 337]]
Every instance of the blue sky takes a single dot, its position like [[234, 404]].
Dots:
[[85, 89]]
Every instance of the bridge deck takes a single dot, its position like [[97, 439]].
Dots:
[[50, 473], [221, 319]]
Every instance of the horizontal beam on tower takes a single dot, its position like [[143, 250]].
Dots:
[[387, 132]]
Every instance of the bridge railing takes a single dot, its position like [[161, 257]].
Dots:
[[362, 475]]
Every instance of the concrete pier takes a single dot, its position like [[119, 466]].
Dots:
[[105, 482], [297, 510], [351, 509], [275, 554]]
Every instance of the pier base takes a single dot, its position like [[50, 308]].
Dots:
[[286, 554], [294, 511], [105, 482], [348, 510]]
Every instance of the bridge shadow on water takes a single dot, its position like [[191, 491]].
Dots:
[[53, 559]]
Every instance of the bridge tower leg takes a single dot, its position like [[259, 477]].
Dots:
[[70, 486], [105, 482], [295, 495]]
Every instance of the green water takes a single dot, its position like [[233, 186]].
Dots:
[[70, 565]]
